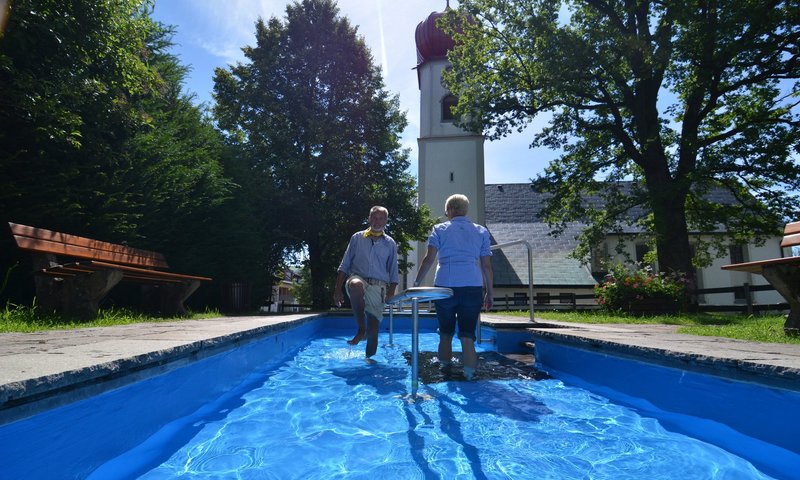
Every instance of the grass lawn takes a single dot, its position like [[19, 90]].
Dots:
[[26, 319], [767, 328], [764, 328]]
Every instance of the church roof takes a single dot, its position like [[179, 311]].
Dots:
[[512, 212], [511, 215], [551, 266], [431, 41]]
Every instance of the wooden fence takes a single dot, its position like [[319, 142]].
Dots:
[[570, 302]]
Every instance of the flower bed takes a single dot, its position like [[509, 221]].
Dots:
[[641, 292]]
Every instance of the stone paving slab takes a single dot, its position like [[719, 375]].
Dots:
[[28, 355], [36, 367]]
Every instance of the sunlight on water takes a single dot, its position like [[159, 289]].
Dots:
[[348, 353], [327, 414]]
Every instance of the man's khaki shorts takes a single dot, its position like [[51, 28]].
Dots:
[[373, 297]]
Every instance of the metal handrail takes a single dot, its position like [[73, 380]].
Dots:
[[415, 295], [530, 273]]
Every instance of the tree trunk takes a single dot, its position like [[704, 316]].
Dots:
[[672, 233], [319, 295]]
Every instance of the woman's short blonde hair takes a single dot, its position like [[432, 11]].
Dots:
[[457, 204]]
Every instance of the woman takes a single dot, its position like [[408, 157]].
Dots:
[[465, 267]]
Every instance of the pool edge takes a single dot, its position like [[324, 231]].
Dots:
[[27, 397]]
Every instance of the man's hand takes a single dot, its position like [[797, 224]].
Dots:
[[390, 292], [338, 298]]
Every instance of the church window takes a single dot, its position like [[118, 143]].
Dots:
[[543, 298], [520, 299], [736, 253], [448, 102], [599, 260], [641, 251]]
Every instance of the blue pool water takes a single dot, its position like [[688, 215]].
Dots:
[[318, 411], [748, 419], [326, 414]]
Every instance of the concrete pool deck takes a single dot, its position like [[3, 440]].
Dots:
[[40, 370]]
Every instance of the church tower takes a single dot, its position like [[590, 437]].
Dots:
[[450, 158]]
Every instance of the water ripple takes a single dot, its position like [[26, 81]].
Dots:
[[326, 414]]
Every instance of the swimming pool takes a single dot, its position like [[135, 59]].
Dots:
[[303, 404]]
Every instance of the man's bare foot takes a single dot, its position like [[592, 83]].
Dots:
[[370, 361], [359, 336]]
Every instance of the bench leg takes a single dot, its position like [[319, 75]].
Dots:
[[79, 296], [786, 280], [167, 300]]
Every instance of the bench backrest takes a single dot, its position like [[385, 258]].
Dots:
[[791, 235], [40, 240]]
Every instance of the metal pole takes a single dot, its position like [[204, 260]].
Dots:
[[530, 268], [415, 294], [414, 347], [530, 276]]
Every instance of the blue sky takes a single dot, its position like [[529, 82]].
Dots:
[[211, 33]]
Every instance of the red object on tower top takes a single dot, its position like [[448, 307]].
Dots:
[[432, 43]]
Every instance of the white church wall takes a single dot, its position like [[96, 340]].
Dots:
[[443, 161], [432, 92]]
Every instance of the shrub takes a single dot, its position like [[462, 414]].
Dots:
[[626, 290]]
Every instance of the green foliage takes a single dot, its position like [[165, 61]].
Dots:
[[97, 139], [69, 74], [681, 98], [321, 135], [624, 287], [302, 289]]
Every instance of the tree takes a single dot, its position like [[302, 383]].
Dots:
[[68, 72], [682, 97], [310, 109], [96, 139]]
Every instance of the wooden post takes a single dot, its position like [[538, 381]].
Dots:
[[748, 298], [786, 280]]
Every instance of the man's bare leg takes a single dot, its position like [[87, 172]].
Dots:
[[372, 335], [356, 290]]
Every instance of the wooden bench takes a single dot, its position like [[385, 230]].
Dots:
[[783, 274], [73, 274]]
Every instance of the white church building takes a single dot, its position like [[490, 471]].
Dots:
[[451, 160]]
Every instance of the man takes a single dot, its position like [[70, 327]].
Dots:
[[369, 272]]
